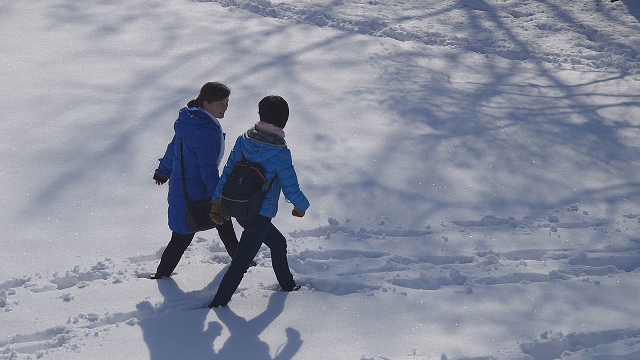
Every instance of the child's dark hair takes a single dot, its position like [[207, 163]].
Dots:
[[211, 91], [273, 109]]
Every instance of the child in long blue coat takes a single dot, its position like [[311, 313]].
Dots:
[[200, 134], [264, 143]]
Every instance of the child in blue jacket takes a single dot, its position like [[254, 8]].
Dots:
[[264, 143]]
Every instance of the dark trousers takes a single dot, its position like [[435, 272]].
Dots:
[[256, 232], [180, 242]]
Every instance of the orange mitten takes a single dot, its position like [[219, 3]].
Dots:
[[216, 213]]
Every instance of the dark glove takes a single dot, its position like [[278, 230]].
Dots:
[[216, 213], [297, 213], [159, 179]]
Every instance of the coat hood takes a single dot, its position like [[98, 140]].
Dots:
[[258, 146], [191, 119]]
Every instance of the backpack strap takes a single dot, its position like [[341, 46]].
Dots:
[[272, 179], [268, 184]]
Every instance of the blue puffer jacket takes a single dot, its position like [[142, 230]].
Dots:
[[201, 148], [272, 153]]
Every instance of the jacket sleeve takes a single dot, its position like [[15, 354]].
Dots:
[[207, 148], [289, 182], [234, 157], [166, 162]]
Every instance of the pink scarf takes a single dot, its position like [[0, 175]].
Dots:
[[269, 128]]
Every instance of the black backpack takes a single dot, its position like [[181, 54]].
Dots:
[[242, 193]]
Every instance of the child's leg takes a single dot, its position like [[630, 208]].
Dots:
[[228, 237], [278, 245], [250, 242]]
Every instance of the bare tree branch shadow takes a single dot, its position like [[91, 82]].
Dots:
[[468, 127], [633, 7]]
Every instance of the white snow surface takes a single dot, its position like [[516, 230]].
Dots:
[[472, 168]]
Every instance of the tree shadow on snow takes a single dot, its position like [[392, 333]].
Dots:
[[489, 135], [634, 8], [486, 134], [178, 328], [492, 128]]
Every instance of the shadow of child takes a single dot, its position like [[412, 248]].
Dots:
[[175, 329], [244, 341]]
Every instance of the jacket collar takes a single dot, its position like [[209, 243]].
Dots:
[[264, 137]]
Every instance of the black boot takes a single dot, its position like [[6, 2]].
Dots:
[[290, 289]]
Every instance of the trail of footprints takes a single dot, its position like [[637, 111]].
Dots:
[[336, 271]]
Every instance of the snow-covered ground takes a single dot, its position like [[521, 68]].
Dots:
[[472, 167]]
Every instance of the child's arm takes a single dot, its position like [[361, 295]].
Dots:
[[289, 184], [234, 157]]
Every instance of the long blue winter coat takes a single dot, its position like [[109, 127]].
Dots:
[[202, 139], [272, 153]]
